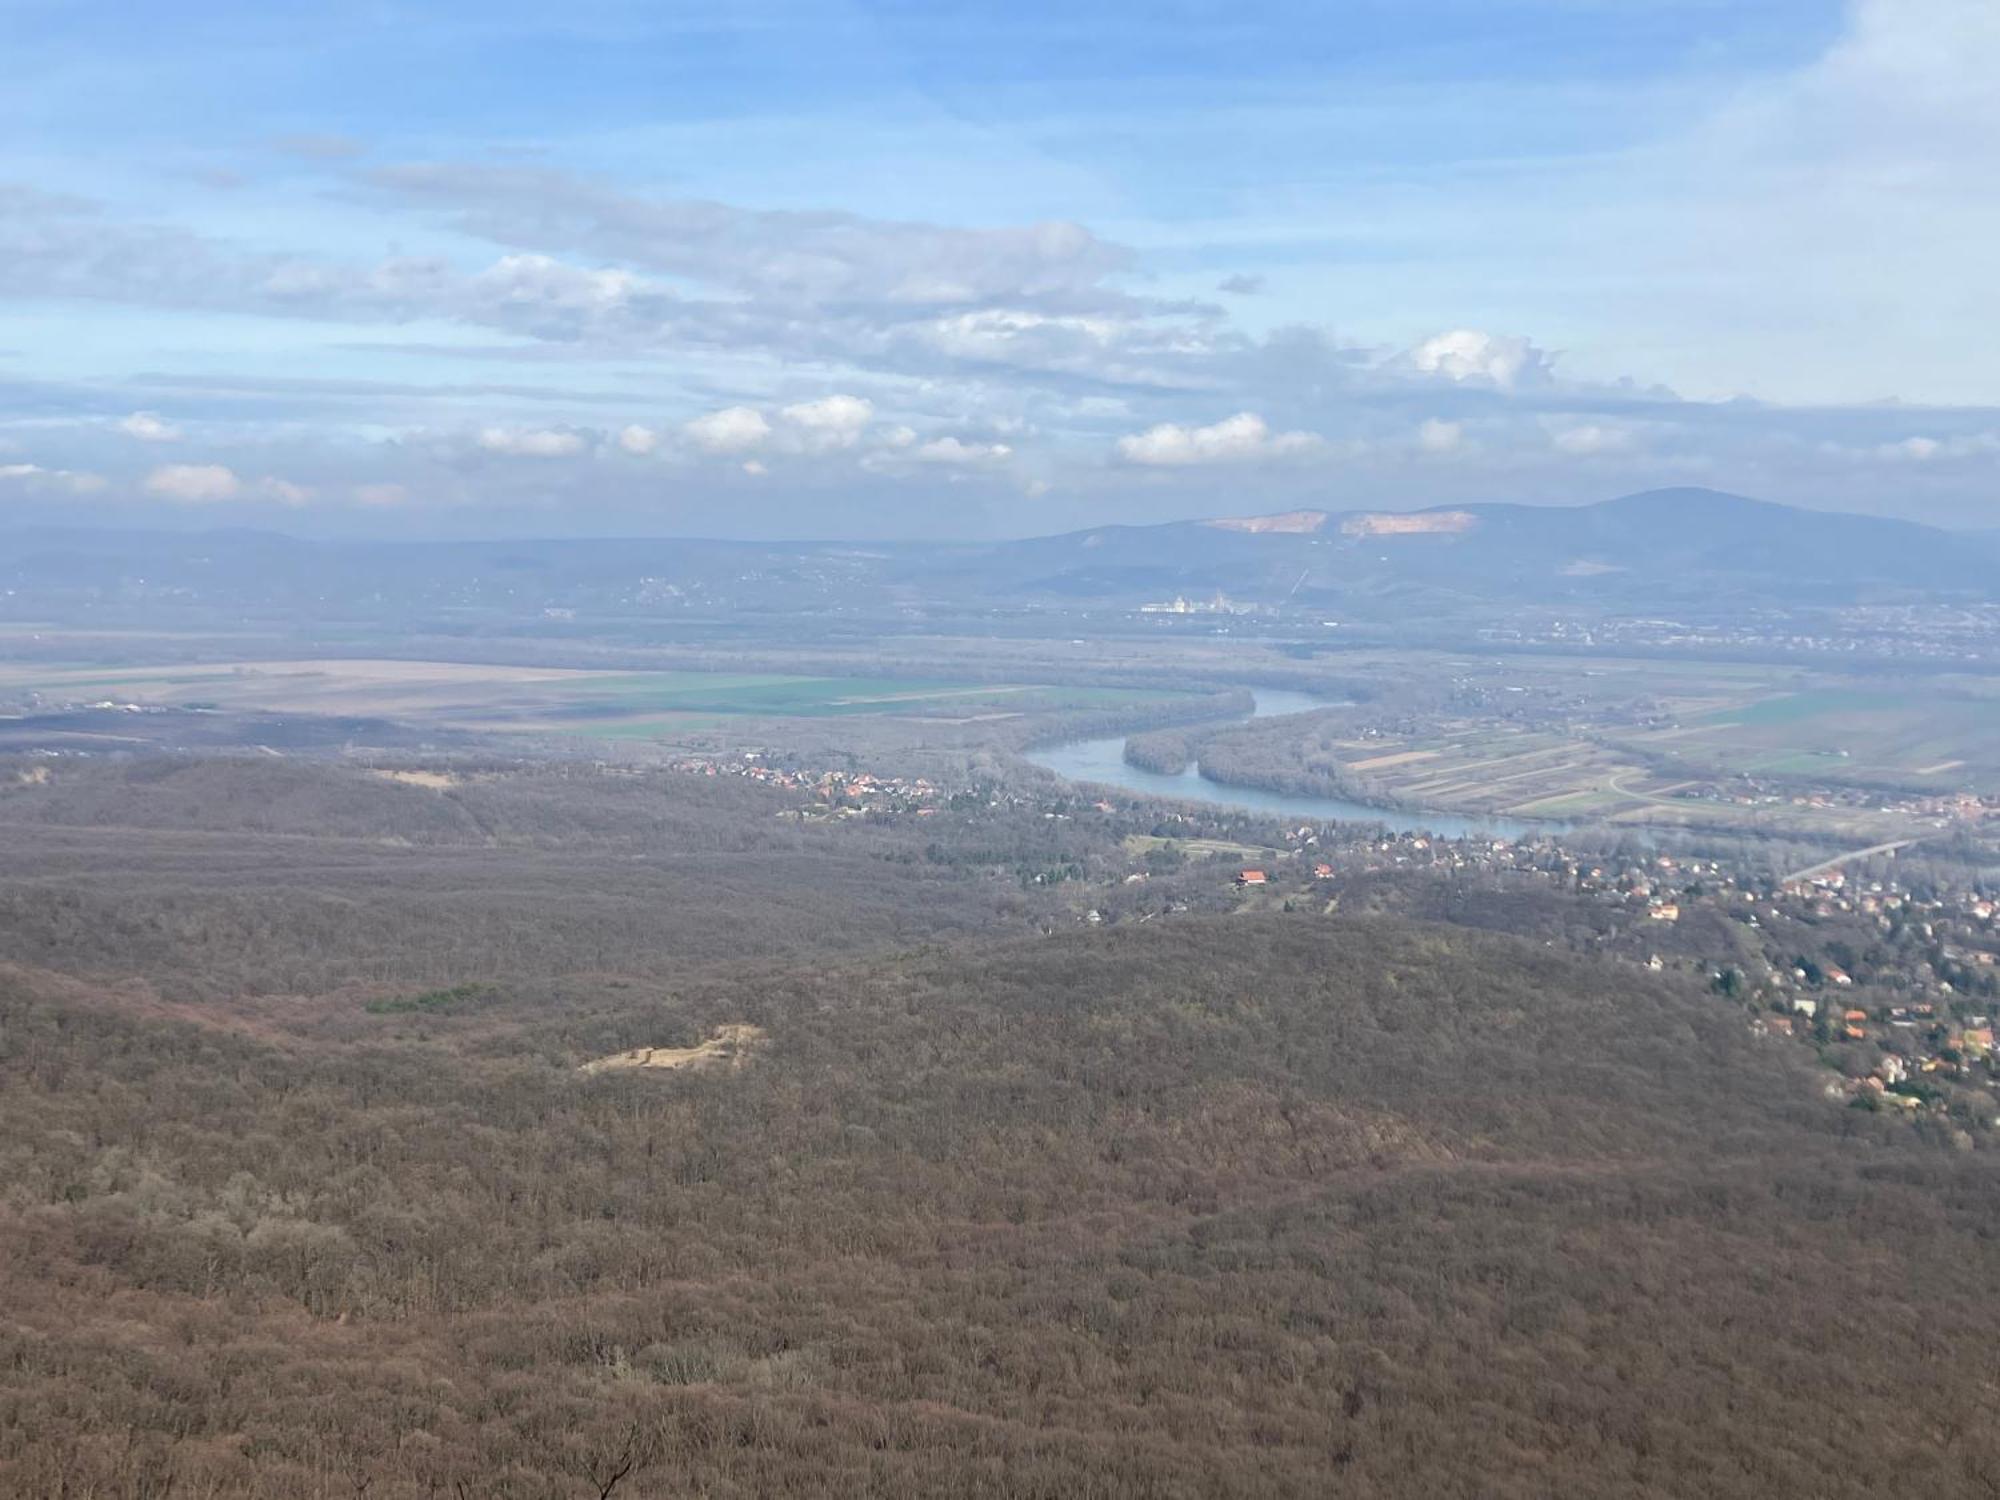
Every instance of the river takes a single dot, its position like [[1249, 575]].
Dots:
[[1103, 763]]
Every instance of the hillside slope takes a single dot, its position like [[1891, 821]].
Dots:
[[1229, 1207]]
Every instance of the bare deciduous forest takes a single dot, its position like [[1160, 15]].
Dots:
[[304, 1192], [934, 751]]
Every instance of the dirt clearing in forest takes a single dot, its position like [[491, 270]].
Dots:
[[730, 1047], [437, 781]]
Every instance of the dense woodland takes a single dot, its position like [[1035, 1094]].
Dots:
[[238, 876], [302, 1192]]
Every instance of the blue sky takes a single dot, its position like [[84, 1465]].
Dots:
[[888, 269]]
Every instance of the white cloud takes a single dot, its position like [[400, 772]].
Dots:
[[543, 281], [34, 476], [821, 426], [1466, 354], [734, 429], [899, 437], [999, 333], [1243, 438], [1437, 436], [1923, 450], [833, 421], [149, 427], [638, 441], [785, 257], [380, 495], [951, 450], [531, 442], [754, 469], [194, 484]]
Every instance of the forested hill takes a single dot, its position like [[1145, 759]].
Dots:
[[1687, 547], [1224, 1207]]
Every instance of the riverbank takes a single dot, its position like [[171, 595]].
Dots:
[[1102, 762]]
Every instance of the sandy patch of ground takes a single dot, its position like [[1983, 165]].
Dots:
[[437, 781], [33, 776], [730, 1047], [1940, 768]]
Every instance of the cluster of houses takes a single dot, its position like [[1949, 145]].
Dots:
[[1935, 809], [1917, 1016], [841, 793], [1320, 871]]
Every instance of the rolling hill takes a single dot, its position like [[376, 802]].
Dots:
[[1684, 547], [1679, 544]]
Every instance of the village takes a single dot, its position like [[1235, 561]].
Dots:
[[835, 793], [1894, 980], [1885, 962]]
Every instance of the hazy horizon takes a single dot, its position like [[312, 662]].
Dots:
[[298, 526]]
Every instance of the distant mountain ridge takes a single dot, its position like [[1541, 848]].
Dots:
[[1672, 543], [1678, 548]]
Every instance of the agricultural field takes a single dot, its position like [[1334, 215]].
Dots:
[[1570, 777], [484, 697], [1736, 746], [1482, 769], [1939, 739]]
